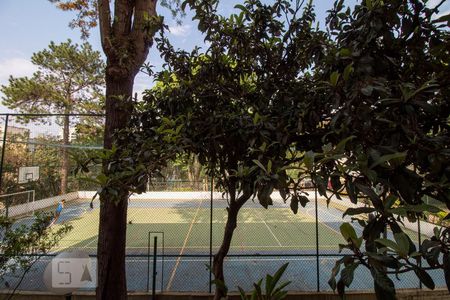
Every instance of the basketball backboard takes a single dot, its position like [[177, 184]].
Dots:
[[28, 174]]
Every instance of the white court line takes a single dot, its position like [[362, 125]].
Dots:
[[288, 258], [273, 234], [323, 223]]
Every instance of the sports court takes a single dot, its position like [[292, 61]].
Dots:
[[262, 242]]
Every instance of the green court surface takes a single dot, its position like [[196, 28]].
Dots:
[[263, 240], [187, 230]]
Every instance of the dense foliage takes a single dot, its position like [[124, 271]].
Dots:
[[236, 105], [387, 137]]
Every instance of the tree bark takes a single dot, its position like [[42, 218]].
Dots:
[[126, 41], [65, 155], [194, 170], [219, 257], [113, 210]]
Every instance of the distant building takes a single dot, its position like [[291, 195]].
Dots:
[[72, 134], [16, 131]]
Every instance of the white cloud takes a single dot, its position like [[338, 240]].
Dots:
[[180, 30], [442, 14], [16, 67], [433, 3]]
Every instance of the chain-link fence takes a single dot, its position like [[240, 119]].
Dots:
[[184, 218]]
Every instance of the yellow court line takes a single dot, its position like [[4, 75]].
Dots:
[[172, 276]]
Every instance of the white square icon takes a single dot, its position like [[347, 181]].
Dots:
[[73, 273]]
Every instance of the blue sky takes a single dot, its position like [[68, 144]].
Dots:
[[28, 26]]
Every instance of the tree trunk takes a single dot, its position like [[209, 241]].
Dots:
[[113, 211], [219, 257], [65, 155], [194, 170]]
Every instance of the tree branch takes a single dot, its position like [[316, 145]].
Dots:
[[123, 11], [104, 16], [141, 37]]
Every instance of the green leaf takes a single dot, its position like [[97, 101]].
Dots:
[[385, 260], [347, 231], [402, 241], [242, 293], [278, 274], [308, 160], [424, 277], [419, 208], [390, 244], [348, 71], [259, 164], [241, 7], [334, 272], [399, 157], [446, 267], [341, 288], [376, 201], [350, 188], [294, 204], [340, 147], [359, 210], [384, 287], [303, 200], [345, 52], [334, 78], [347, 274], [390, 201]]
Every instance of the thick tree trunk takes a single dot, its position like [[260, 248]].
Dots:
[[65, 155], [113, 211], [219, 257]]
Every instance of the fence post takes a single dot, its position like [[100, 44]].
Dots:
[[419, 236], [317, 240], [211, 233], [148, 262], [2, 160], [155, 243]]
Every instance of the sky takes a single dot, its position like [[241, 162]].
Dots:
[[28, 26]]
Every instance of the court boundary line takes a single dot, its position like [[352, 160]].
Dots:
[[174, 270], [207, 247], [270, 230]]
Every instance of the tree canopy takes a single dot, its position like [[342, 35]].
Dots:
[[69, 79], [363, 108], [236, 105], [388, 135]]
